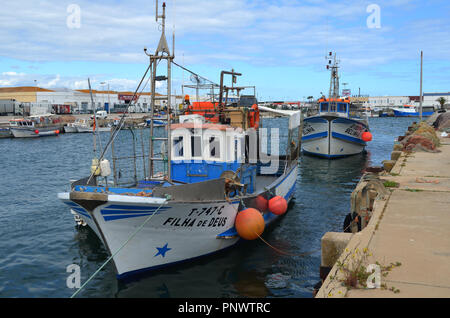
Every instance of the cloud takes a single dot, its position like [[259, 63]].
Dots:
[[214, 35]]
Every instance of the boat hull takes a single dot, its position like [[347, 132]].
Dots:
[[177, 231], [90, 129], [399, 113], [5, 133], [70, 129], [31, 132], [332, 136]]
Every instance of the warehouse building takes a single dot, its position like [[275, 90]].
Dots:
[[29, 100]]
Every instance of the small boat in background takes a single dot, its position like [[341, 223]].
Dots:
[[35, 126], [72, 127], [413, 111]]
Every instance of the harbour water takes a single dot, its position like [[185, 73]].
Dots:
[[39, 237]]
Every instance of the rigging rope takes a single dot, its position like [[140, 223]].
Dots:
[[121, 123]]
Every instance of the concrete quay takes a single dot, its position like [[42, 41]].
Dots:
[[408, 233]]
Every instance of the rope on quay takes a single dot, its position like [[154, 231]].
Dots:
[[120, 248]]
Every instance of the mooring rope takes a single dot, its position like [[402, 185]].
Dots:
[[277, 249], [120, 248]]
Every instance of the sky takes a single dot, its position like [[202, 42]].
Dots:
[[278, 46]]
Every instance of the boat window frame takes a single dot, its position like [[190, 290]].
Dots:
[[175, 153], [327, 107], [191, 146]]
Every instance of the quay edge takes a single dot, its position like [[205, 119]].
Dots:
[[410, 227]]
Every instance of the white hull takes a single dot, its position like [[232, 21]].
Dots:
[[177, 232], [31, 132], [90, 129], [70, 129], [333, 137]]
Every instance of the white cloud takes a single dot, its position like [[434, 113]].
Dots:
[[212, 33]]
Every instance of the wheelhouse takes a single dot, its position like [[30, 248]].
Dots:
[[203, 151], [338, 106]]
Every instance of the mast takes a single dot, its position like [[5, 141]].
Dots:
[[421, 97], [333, 66], [162, 53]]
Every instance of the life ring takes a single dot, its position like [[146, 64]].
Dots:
[[254, 116]]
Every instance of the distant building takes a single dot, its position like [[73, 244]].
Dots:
[[64, 100], [429, 99]]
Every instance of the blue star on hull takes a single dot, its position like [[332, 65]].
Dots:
[[162, 250]]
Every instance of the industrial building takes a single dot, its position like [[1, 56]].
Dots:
[[429, 99], [29, 100]]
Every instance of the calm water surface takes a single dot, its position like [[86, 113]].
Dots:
[[39, 238]]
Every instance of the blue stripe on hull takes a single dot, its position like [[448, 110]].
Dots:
[[415, 114], [323, 134], [348, 138]]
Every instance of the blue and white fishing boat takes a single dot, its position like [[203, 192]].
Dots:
[[412, 111], [211, 174], [338, 130]]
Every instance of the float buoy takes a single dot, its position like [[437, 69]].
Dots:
[[249, 224], [261, 203], [278, 205], [36, 131], [56, 131], [366, 136]]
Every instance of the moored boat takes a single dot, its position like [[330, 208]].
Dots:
[[338, 130], [34, 126], [413, 111], [211, 176]]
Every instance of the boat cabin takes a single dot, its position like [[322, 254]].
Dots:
[[202, 151], [21, 123], [338, 106]]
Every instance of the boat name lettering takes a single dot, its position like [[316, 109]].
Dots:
[[207, 210], [307, 129], [193, 222], [354, 130]]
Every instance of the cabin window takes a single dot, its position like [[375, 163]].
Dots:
[[342, 107], [214, 147], [178, 149], [324, 107], [333, 107], [236, 150], [196, 146]]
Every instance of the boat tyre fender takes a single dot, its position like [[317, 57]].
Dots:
[[348, 221]]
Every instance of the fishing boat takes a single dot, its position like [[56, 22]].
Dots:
[[339, 129], [73, 127], [89, 128], [34, 126], [208, 187], [413, 111]]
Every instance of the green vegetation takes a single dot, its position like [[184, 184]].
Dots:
[[391, 184], [441, 101]]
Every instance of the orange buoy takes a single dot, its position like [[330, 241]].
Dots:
[[366, 136], [278, 205], [56, 131], [249, 224], [261, 203], [36, 131]]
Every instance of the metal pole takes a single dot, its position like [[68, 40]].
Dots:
[[421, 65]]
